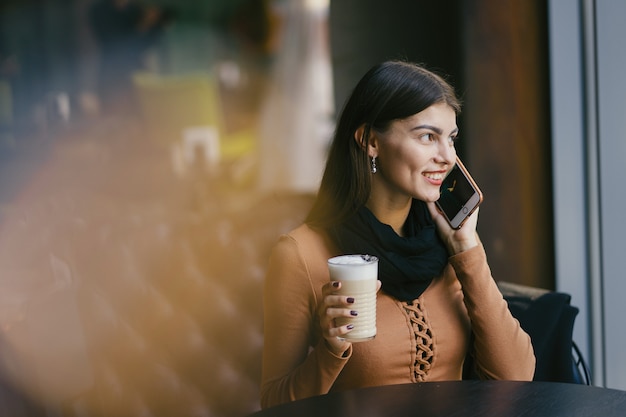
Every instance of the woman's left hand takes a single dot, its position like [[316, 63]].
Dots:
[[456, 240]]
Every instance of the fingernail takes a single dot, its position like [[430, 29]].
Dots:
[[354, 313], [350, 326], [336, 284], [350, 300]]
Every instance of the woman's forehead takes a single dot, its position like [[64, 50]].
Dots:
[[440, 114]]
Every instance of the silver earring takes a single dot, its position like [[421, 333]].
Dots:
[[374, 165]]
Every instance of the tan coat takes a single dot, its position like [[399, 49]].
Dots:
[[426, 340]]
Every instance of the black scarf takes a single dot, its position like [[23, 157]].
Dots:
[[406, 265]]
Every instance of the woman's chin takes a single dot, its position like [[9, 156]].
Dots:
[[429, 198]]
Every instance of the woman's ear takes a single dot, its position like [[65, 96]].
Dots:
[[359, 136], [369, 143]]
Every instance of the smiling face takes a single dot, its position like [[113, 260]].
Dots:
[[414, 155]]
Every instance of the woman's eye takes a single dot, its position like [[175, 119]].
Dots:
[[428, 137], [453, 139]]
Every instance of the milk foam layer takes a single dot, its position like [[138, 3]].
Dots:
[[353, 267]]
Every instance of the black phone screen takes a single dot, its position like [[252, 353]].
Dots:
[[455, 191]]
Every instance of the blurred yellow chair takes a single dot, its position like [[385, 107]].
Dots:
[[177, 109]]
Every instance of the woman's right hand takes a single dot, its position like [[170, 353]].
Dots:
[[332, 307]]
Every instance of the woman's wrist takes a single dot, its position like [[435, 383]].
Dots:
[[341, 352], [459, 246]]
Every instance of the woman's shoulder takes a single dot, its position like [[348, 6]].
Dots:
[[313, 246], [307, 234], [308, 239]]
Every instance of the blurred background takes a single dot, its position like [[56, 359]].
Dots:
[[151, 151]]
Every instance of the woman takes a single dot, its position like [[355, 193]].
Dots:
[[393, 145]]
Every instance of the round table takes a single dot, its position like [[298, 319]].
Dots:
[[461, 398]]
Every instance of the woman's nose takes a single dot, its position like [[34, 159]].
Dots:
[[446, 153]]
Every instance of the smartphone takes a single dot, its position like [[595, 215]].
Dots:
[[459, 196]]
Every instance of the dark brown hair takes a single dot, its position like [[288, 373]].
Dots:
[[389, 91]]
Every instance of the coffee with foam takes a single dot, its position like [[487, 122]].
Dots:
[[358, 275]]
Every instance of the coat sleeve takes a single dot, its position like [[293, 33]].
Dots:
[[292, 367], [502, 350]]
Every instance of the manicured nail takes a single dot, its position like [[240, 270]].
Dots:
[[350, 326], [336, 284], [350, 300], [354, 313]]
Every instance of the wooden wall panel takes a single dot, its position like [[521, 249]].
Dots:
[[507, 132]]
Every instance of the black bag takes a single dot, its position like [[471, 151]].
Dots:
[[548, 318]]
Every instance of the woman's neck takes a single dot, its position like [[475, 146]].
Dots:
[[389, 212]]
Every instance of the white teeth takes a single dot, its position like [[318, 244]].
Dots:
[[436, 176]]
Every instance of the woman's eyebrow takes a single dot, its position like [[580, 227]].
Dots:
[[429, 127], [434, 129]]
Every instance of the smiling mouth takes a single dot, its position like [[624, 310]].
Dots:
[[435, 176]]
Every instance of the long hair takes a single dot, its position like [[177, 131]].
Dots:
[[389, 91]]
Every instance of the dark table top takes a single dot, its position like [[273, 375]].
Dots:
[[461, 398]]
